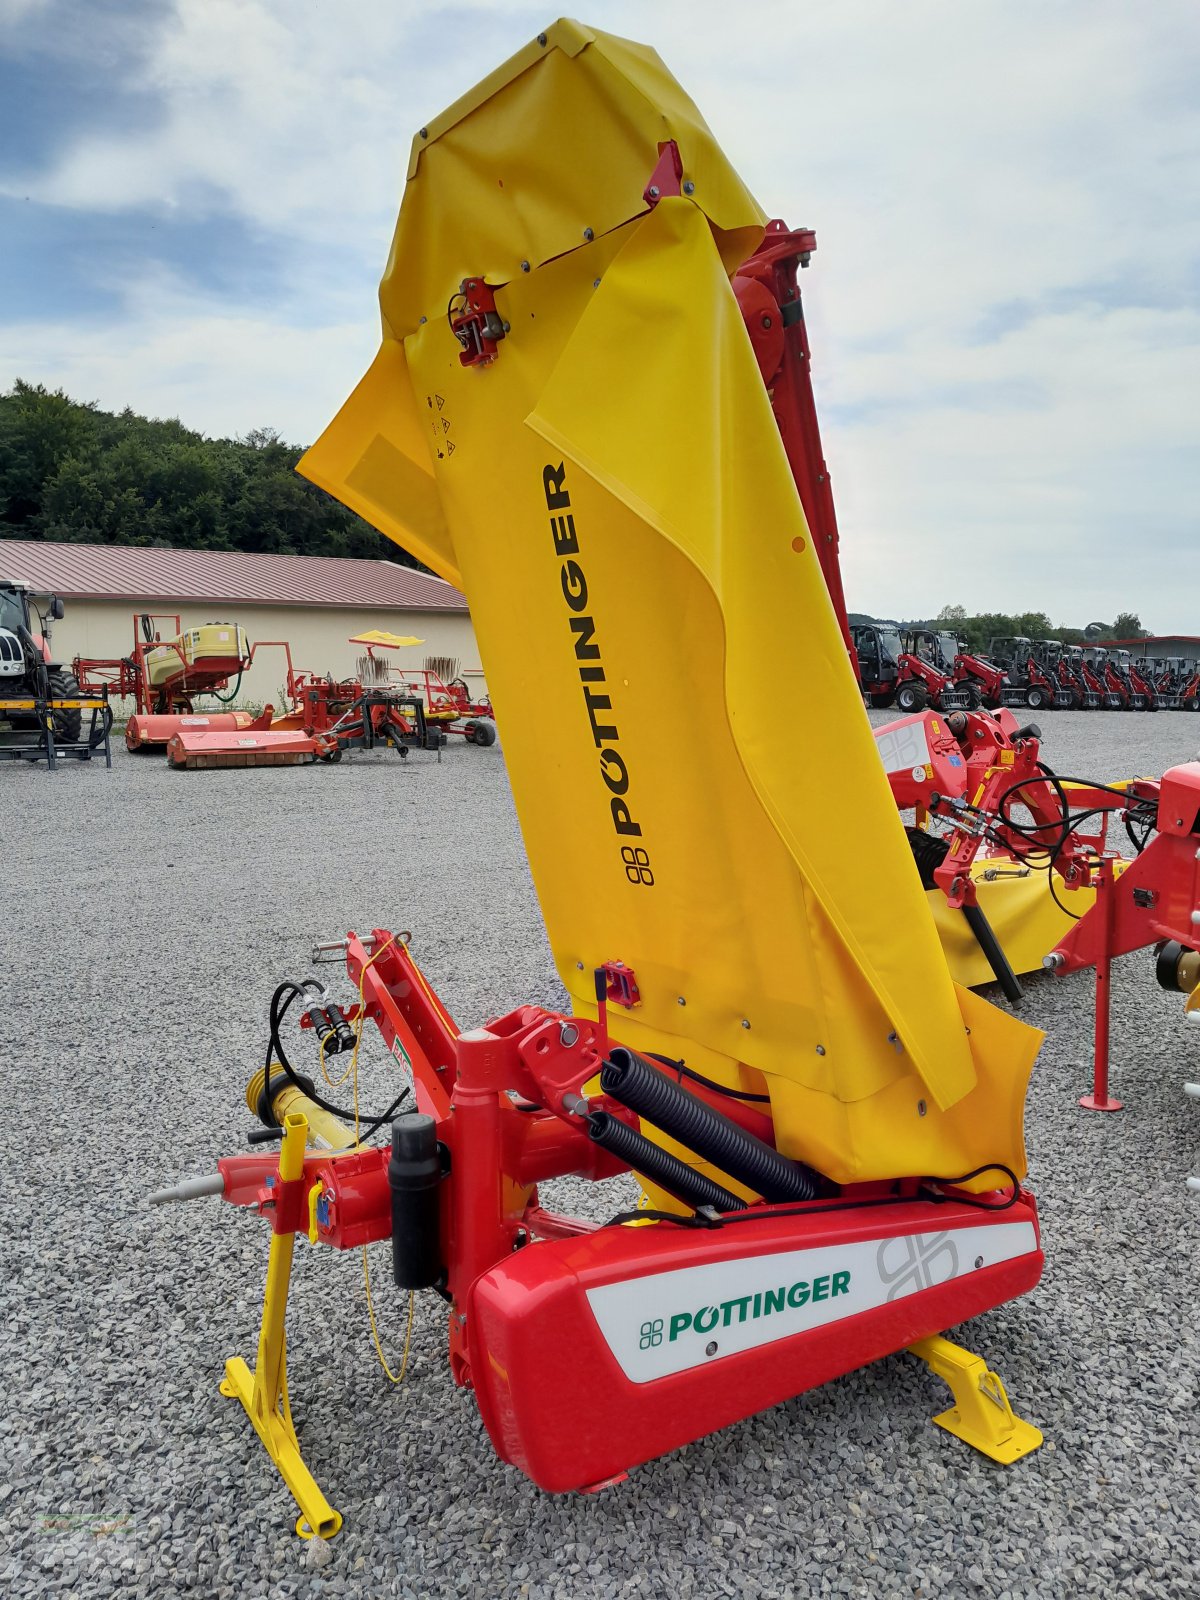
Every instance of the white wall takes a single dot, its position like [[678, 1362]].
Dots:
[[318, 635]]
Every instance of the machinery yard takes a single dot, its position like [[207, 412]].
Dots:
[[136, 1015]]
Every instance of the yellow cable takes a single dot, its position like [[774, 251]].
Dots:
[[393, 1377]]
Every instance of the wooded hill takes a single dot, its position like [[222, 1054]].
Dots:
[[71, 471]]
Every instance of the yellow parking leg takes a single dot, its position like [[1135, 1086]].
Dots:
[[981, 1414], [263, 1393]]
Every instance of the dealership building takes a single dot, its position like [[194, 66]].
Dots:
[[315, 603]]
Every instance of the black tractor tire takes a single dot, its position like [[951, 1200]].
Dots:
[[1037, 698], [63, 685], [881, 702], [911, 698], [1192, 703], [973, 693], [485, 734]]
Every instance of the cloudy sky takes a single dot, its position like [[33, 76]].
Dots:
[[196, 198]]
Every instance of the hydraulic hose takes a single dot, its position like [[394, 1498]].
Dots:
[[629, 1078], [987, 941], [660, 1166]]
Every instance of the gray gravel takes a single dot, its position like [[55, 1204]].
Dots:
[[148, 914]]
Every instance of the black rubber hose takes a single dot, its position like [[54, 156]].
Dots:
[[987, 941], [629, 1078], [660, 1166]]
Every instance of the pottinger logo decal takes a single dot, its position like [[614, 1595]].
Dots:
[[661, 1323], [613, 771], [917, 1261], [747, 1308]]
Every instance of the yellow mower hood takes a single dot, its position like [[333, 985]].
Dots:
[[699, 791]]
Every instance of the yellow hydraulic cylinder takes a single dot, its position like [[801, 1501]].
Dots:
[[264, 1393]]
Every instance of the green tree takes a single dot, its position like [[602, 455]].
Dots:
[[1129, 626], [72, 472]]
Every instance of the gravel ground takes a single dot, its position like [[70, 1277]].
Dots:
[[148, 916]]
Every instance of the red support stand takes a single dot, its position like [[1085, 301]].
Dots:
[[1099, 1100]]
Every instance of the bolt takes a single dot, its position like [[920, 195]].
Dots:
[[710, 1349], [588, 235], [524, 266], [766, 322], [820, 1049], [507, 326], [922, 1108], [424, 319], [568, 1034], [653, 191], [689, 187], [978, 1261], [542, 40], [680, 1001], [745, 1022], [595, 283], [424, 133], [579, 964]]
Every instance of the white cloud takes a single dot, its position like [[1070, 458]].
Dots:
[[219, 370], [1002, 305]]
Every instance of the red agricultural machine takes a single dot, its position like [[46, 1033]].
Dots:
[[904, 669], [324, 718], [164, 677], [1030, 685], [1176, 682], [446, 697], [984, 682]]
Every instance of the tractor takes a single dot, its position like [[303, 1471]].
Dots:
[[904, 670], [1189, 685], [983, 681], [1115, 691], [1028, 682], [26, 670]]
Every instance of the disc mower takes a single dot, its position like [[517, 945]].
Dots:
[[827, 1130]]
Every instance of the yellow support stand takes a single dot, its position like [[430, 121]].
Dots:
[[981, 1414], [264, 1393]]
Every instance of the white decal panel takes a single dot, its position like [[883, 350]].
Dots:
[[666, 1322], [903, 748]]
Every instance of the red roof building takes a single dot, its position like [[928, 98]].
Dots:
[[143, 574]]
